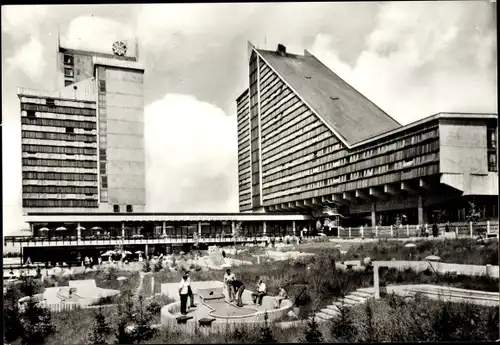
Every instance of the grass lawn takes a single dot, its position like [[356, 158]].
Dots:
[[459, 251]]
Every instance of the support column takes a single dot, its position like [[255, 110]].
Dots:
[[421, 219], [376, 282], [374, 216], [78, 232], [199, 229], [264, 227], [163, 228], [293, 228], [146, 251], [123, 230], [233, 228]]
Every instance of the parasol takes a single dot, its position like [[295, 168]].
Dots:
[[61, 228], [80, 228], [96, 228], [139, 252], [43, 229], [433, 258]]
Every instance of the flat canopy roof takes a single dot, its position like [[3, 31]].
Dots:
[[158, 217]]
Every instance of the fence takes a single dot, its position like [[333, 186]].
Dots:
[[469, 229]]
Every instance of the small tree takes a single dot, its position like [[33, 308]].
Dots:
[[100, 329], [121, 334], [35, 322], [312, 334], [11, 312], [143, 318], [342, 328], [266, 334]]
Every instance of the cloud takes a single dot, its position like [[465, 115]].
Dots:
[[95, 33], [190, 156], [23, 20], [29, 59], [423, 58]]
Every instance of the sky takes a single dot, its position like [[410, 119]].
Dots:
[[413, 59]]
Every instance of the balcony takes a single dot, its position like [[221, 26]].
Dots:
[[96, 240]]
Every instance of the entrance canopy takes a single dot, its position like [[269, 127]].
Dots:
[[159, 217]]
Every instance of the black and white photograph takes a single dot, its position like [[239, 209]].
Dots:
[[271, 172]]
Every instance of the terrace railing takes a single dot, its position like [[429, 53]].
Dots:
[[463, 229]]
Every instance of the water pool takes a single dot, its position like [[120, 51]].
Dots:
[[220, 308]]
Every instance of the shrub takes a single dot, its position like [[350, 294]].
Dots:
[[100, 329], [35, 322], [312, 334], [266, 334], [11, 312]]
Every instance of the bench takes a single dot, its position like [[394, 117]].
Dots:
[[183, 319], [206, 321]]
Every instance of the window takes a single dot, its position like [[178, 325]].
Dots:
[[68, 72], [68, 82], [102, 153], [492, 140], [70, 130], [30, 113], [102, 167], [102, 85], [104, 181], [50, 101], [492, 162], [116, 208], [68, 60], [130, 208]]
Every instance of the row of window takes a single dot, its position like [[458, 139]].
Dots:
[[44, 108], [314, 130], [396, 145], [64, 163], [58, 123], [380, 159], [55, 116], [59, 190], [59, 149], [102, 133], [299, 172], [269, 85], [304, 152], [273, 95], [243, 122], [296, 148], [129, 208], [329, 177], [32, 175], [60, 203], [69, 136], [278, 104], [302, 119], [322, 156], [293, 115]]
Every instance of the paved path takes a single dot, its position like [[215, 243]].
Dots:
[[333, 310], [138, 290]]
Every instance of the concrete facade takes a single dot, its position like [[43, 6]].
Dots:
[[298, 151], [83, 145]]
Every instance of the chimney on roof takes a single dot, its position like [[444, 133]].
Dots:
[[281, 49]]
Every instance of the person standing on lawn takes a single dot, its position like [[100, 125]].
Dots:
[[228, 278], [183, 292], [239, 287], [190, 291]]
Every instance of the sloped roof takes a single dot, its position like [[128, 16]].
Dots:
[[347, 111]]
